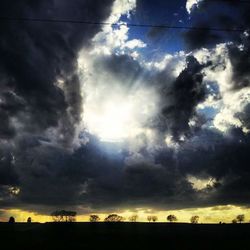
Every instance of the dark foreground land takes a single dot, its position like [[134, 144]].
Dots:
[[23, 236]]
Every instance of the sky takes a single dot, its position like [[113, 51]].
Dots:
[[104, 116]]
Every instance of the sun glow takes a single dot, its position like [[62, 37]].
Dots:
[[112, 122], [117, 105], [117, 117]]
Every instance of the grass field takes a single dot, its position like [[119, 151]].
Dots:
[[118, 236]]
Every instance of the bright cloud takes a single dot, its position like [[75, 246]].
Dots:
[[115, 38], [231, 101], [200, 184], [115, 115], [191, 4]]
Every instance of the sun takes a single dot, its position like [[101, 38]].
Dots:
[[114, 120], [118, 116]]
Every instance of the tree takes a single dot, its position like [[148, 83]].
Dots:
[[63, 216], [11, 219], [194, 219], [234, 221], [114, 218], [133, 218], [29, 220], [240, 218], [171, 218], [154, 218], [94, 218], [149, 218]]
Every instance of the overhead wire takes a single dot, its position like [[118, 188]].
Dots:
[[140, 25]]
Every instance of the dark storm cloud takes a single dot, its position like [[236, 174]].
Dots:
[[163, 184], [52, 177], [40, 89], [240, 59], [139, 185], [8, 175], [199, 38], [244, 116], [186, 92], [34, 55], [212, 15], [10, 105], [226, 159]]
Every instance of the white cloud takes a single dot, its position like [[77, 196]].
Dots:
[[222, 73], [111, 111], [232, 101], [173, 64], [114, 109], [170, 142], [135, 43], [104, 93], [121, 7], [200, 184], [115, 39], [114, 112], [191, 4]]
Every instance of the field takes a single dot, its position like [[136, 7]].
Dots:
[[118, 236]]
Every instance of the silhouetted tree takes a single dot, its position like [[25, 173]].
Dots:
[[149, 218], [94, 218], [133, 218], [234, 221], [171, 218], [114, 218], [29, 220], [11, 219], [194, 219], [240, 218], [64, 216], [154, 218]]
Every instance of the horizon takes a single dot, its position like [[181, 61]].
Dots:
[[208, 215], [126, 106]]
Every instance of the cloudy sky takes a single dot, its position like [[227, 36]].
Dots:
[[116, 113]]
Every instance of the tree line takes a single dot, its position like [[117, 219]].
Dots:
[[153, 218], [70, 216]]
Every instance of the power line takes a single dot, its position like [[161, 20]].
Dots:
[[227, 1], [160, 26], [230, 1]]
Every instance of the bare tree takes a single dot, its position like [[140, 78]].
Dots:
[[149, 218], [171, 218], [133, 218], [94, 218], [154, 218], [240, 218], [64, 216], [194, 219], [114, 218]]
